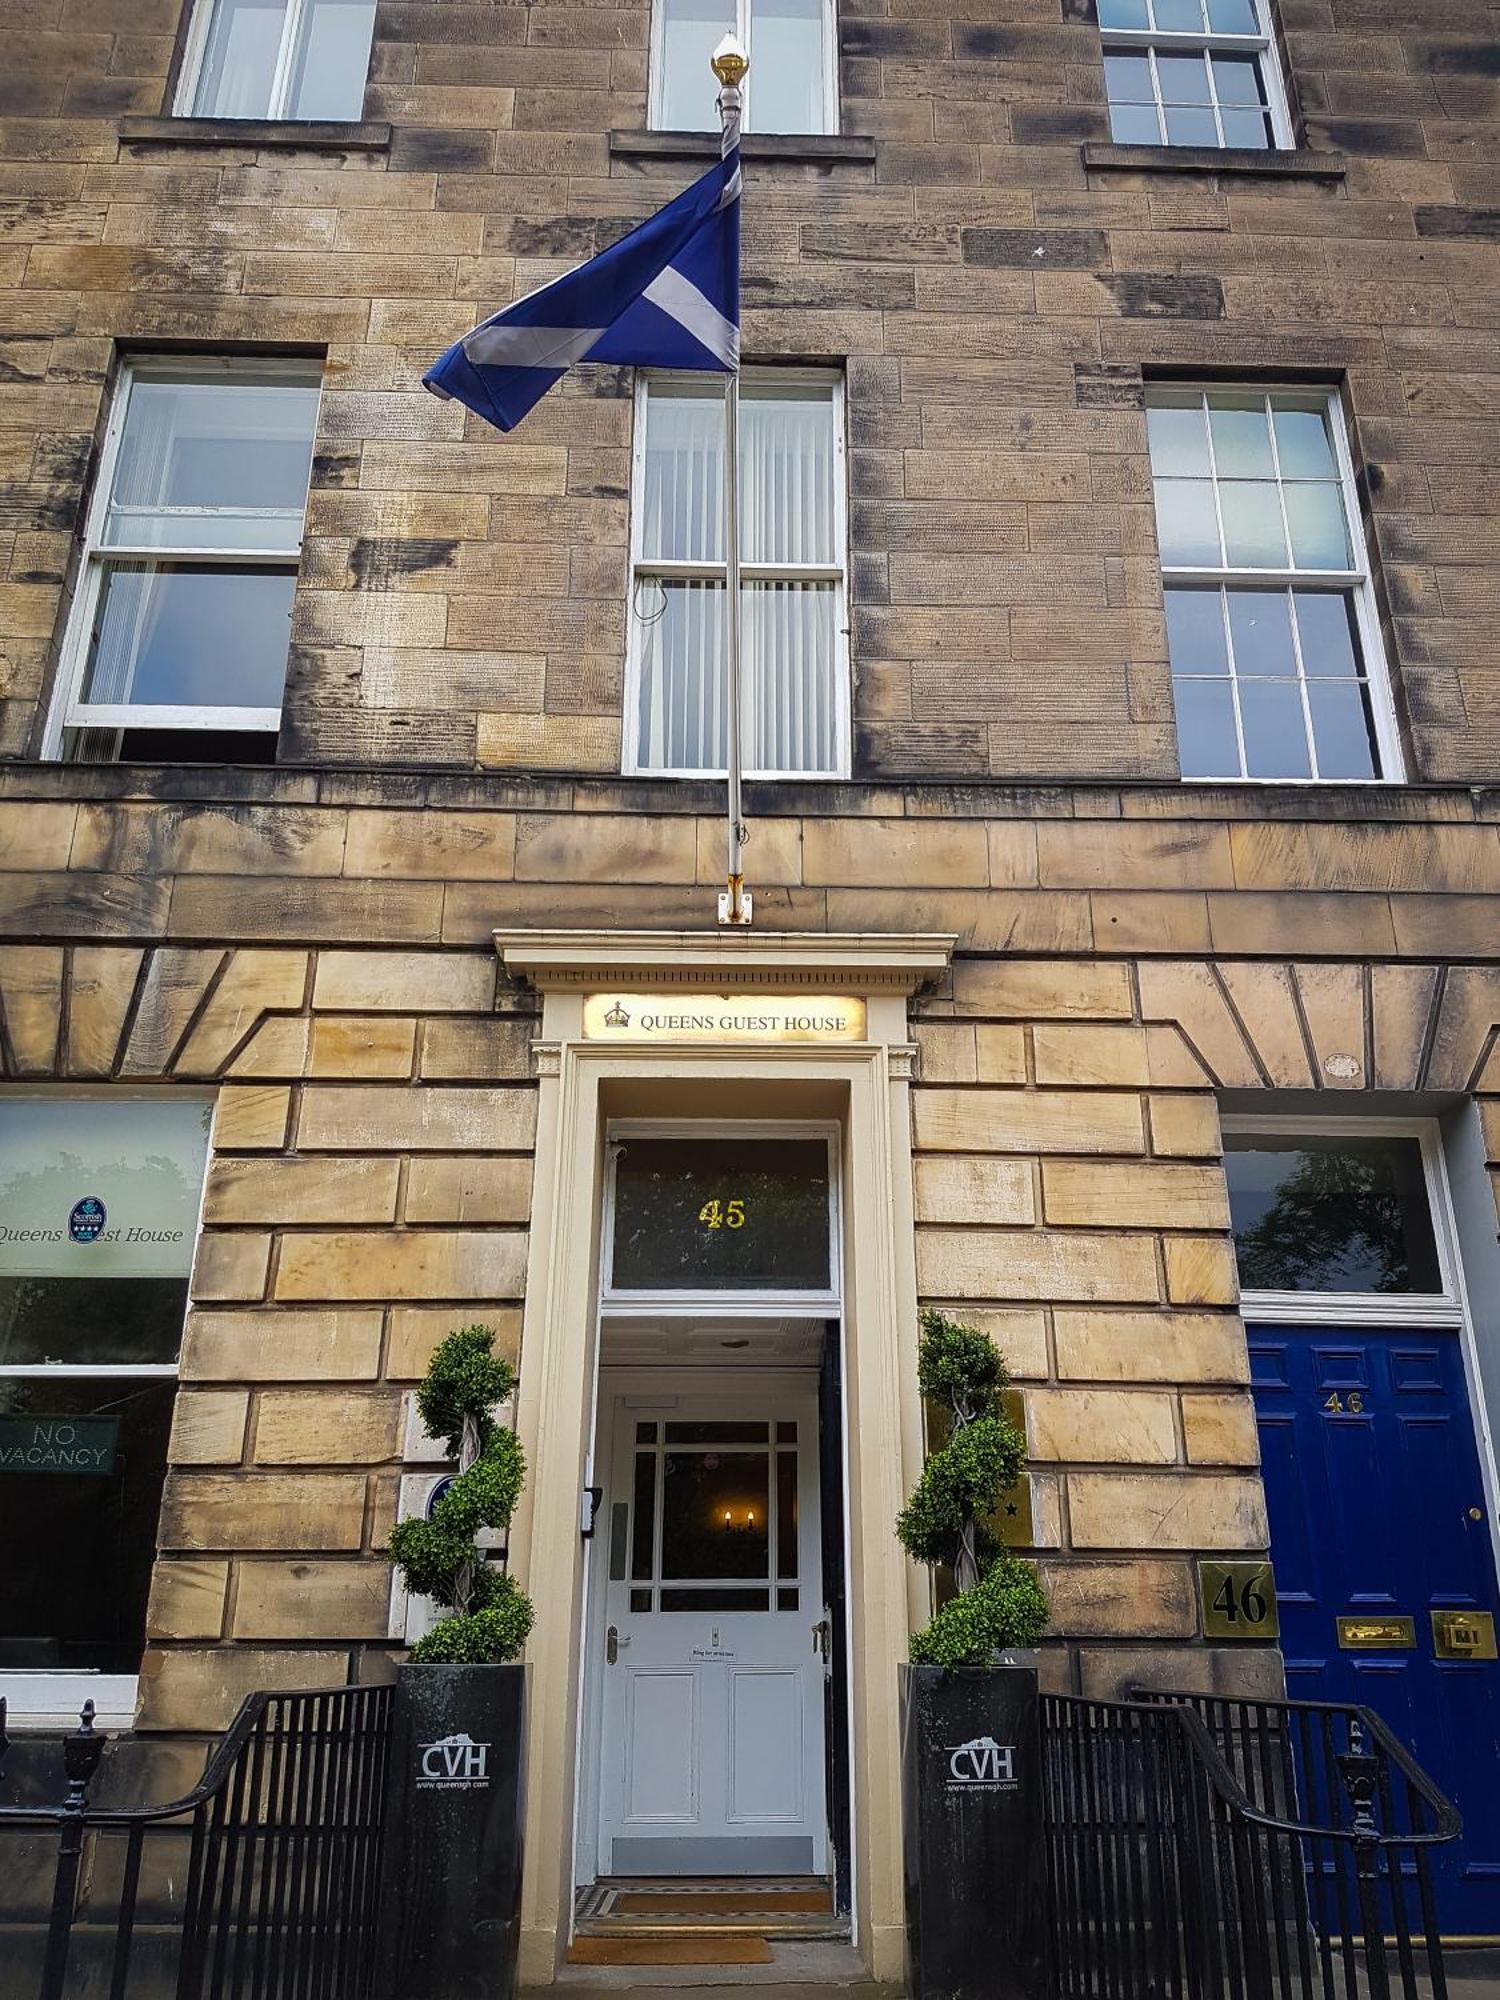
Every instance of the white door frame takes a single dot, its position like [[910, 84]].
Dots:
[[1448, 1308]]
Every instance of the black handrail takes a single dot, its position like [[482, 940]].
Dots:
[[1449, 1820]]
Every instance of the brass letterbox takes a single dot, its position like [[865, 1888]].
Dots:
[[1377, 1635]]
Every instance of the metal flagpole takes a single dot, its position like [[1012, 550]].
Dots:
[[730, 64]]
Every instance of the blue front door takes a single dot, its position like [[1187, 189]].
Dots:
[[1378, 1513]]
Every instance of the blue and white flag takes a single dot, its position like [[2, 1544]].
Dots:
[[665, 296]]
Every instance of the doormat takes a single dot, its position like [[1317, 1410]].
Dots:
[[669, 1951]]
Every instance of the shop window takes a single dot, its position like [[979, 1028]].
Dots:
[[99, 1209], [177, 646], [792, 85], [292, 59], [1277, 671], [1332, 1212], [1193, 73], [792, 596]]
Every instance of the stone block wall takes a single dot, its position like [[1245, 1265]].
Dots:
[[371, 1168], [993, 278]]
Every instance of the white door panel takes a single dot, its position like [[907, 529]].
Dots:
[[712, 1710]]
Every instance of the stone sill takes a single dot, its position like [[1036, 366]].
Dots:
[[1302, 164], [585, 792], [301, 136], [815, 149]]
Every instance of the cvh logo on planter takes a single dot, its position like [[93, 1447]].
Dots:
[[982, 1765], [453, 1764]]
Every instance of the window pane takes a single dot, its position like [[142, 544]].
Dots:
[[94, 1189], [1185, 523], [1190, 127], [1178, 438], [213, 464], [717, 1433], [1249, 129], [1254, 536], [789, 641], [682, 675], [786, 1514], [1315, 1214], [332, 60], [1127, 79], [126, 1322], [1178, 16], [1325, 626], [720, 1214], [788, 67], [1134, 125], [1303, 444], [1184, 79], [1242, 441], [683, 504], [1195, 632], [77, 1545], [1232, 17], [1275, 730], [687, 94], [643, 1524], [167, 634], [1237, 80], [1343, 729], [1122, 13], [715, 1515], [786, 475], [1206, 743], [1260, 624], [1315, 516], [721, 1597], [239, 59]]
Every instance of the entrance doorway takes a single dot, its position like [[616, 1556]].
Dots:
[[715, 1642], [715, 1750], [1374, 1467]]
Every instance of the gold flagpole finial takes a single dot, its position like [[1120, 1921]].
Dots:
[[729, 61]]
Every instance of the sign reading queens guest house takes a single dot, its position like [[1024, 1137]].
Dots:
[[723, 1017]]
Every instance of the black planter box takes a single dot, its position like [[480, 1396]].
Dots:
[[454, 1804], [971, 1804]]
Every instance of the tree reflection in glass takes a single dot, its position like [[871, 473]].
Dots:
[[1331, 1214]]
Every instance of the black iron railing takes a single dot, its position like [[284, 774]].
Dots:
[[261, 1883], [1204, 1849]]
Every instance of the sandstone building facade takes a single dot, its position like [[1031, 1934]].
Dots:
[[1129, 762]]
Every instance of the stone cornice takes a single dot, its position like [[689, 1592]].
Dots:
[[784, 961]]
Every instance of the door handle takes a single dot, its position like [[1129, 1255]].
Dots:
[[822, 1633], [613, 1641]]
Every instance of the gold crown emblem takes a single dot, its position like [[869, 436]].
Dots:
[[617, 1017]]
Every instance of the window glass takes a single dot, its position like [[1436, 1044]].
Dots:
[[293, 59], [791, 623], [1269, 670], [715, 1516], [1168, 79], [790, 63], [788, 77], [687, 95], [98, 1217], [166, 634], [1331, 1214], [720, 1214]]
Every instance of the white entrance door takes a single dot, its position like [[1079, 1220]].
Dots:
[[714, 1643]]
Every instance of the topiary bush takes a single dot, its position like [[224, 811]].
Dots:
[[437, 1557], [1000, 1602]]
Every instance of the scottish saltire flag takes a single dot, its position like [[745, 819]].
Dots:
[[665, 296]]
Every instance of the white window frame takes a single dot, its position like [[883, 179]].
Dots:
[[42, 1697], [743, 8], [1357, 582], [644, 570], [199, 29], [1153, 41], [68, 711]]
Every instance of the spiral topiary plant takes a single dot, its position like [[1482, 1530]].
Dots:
[[1000, 1602], [437, 1557]]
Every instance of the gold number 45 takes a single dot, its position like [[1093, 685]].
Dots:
[[723, 1214], [1354, 1403]]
